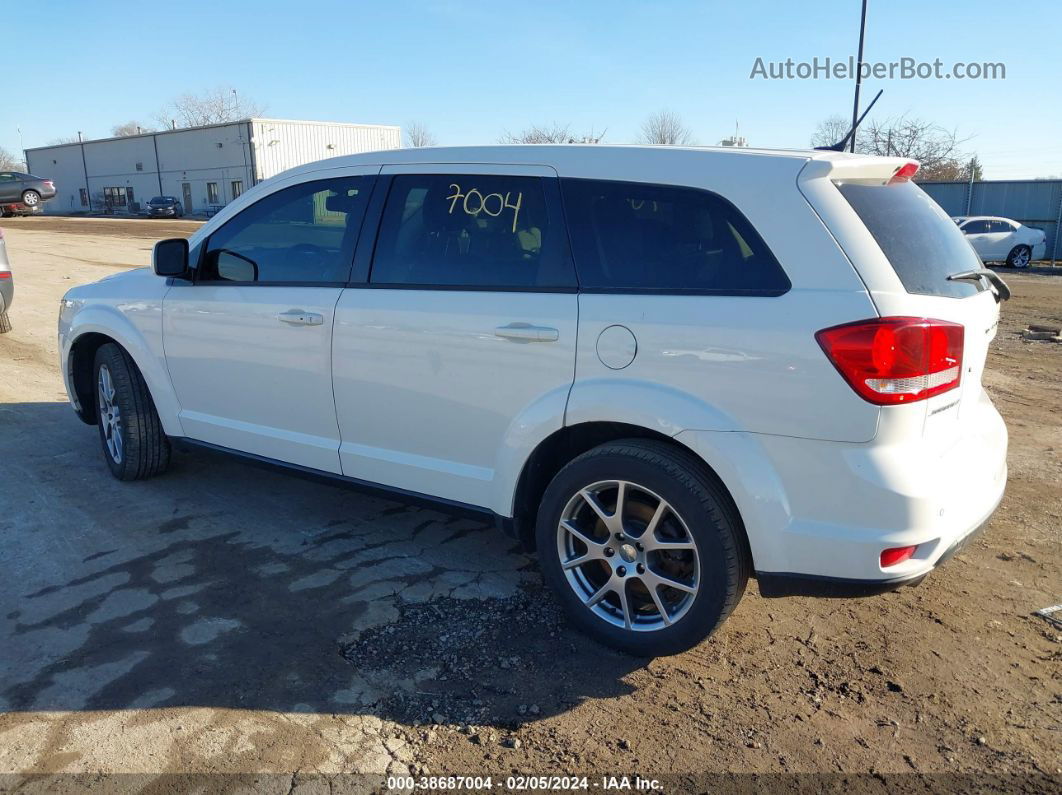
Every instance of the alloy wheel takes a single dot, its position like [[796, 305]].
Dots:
[[110, 414], [628, 555]]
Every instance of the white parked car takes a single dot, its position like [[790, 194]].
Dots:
[[998, 239], [666, 369]]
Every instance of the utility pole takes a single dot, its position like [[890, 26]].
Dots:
[[84, 165], [859, 75], [969, 189]]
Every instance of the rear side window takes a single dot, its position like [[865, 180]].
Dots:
[[638, 237], [975, 227], [304, 234], [923, 245], [470, 230]]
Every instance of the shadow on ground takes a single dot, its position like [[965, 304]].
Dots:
[[220, 584]]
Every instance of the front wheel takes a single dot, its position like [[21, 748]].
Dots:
[[1019, 257], [31, 198], [642, 546], [134, 444]]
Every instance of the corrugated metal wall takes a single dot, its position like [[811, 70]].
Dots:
[[1033, 202], [280, 145]]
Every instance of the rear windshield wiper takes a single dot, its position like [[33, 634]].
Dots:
[[999, 287]]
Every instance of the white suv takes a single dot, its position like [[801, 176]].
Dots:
[[667, 369]]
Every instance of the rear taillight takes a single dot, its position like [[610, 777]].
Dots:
[[894, 360]]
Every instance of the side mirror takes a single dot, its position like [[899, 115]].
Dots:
[[170, 257]]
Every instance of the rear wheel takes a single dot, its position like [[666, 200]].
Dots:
[[31, 198], [5, 323], [134, 444], [642, 547], [1019, 257]]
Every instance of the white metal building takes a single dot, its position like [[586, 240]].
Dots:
[[204, 167]]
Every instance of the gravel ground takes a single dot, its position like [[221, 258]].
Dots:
[[227, 619]]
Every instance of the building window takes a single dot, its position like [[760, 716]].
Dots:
[[114, 197], [84, 196], [237, 188], [139, 166], [212, 193]]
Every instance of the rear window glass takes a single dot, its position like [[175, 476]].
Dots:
[[640, 237], [921, 242]]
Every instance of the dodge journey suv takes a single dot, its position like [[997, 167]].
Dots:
[[665, 369]]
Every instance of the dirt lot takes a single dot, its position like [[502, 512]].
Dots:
[[227, 619]]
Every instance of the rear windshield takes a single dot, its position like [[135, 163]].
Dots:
[[923, 244]]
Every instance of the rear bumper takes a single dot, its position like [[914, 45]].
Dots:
[[1039, 251], [818, 514], [777, 584]]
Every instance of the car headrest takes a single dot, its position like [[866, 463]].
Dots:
[[342, 202]]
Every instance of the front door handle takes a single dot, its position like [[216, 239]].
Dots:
[[525, 332], [297, 317]]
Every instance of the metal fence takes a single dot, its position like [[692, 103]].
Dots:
[[1033, 202]]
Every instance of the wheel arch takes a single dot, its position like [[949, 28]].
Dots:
[[565, 444], [86, 338]]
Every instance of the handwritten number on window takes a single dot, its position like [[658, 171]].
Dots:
[[493, 204]]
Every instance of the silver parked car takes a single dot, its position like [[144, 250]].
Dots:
[[16, 187], [7, 286]]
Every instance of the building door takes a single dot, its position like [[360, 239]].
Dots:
[[186, 189]]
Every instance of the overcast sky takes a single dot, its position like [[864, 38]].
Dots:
[[471, 70]]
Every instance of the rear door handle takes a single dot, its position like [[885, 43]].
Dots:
[[525, 332], [297, 317]]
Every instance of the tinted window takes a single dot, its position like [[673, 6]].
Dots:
[[1002, 226], [305, 233], [642, 237], [920, 241], [975, 228], [458, 230]]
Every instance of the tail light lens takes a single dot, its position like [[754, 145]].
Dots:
[[890, 557], [904, 173], [894, 360]]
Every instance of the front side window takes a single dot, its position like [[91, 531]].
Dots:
[[470, 230], [639, 237], [304, 234]]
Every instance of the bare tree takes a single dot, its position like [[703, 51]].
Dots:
[[216, 106], [64, 139], [418, 135], [666, 128], [10, 162], [550, 134], [831, 130], [131, 127]]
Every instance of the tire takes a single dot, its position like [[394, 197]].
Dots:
[[5, 323], [134, 444], [698, 510], [31, 198], [1019, 257]]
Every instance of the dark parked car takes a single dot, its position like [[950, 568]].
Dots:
[[165, 207], [25, 188]]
